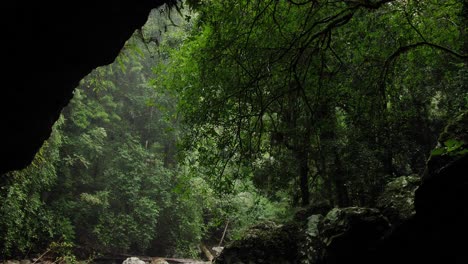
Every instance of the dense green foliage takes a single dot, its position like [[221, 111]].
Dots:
[[329, 107], [26, 220], [108, 181], [237, 112]]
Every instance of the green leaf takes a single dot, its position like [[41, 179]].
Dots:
[[438, 152], [453, 144]]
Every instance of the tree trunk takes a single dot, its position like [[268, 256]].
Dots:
[[340, 183], [464, 28], [322, 171], [303, 162]]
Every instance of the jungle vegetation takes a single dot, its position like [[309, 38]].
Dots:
[[223, 113]]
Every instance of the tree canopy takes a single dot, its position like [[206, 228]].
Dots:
[[342, 94]]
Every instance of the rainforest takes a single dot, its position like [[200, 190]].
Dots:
[[258, 131]]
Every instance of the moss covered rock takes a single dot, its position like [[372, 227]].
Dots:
[[397, 200], [267, 242]]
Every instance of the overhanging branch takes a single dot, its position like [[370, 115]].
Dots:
[[404, 49], [369, 3]]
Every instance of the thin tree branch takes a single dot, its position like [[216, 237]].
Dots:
[[404, 49]]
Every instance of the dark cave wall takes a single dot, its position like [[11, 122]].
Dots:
[[48, 47]]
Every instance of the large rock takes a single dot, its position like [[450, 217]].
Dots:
[[264, 243], [311, 251], [159, 261], [344, 234], [438, 232], [442, 199], [133, 260], [350, 234], [397, 200]]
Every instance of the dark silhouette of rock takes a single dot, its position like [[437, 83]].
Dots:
[[267, 243], [49, 47], [344, 234], [438, 232], [350, 234]]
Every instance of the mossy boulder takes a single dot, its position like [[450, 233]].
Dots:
[[266, 242], [343, 234], [397, 200]]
